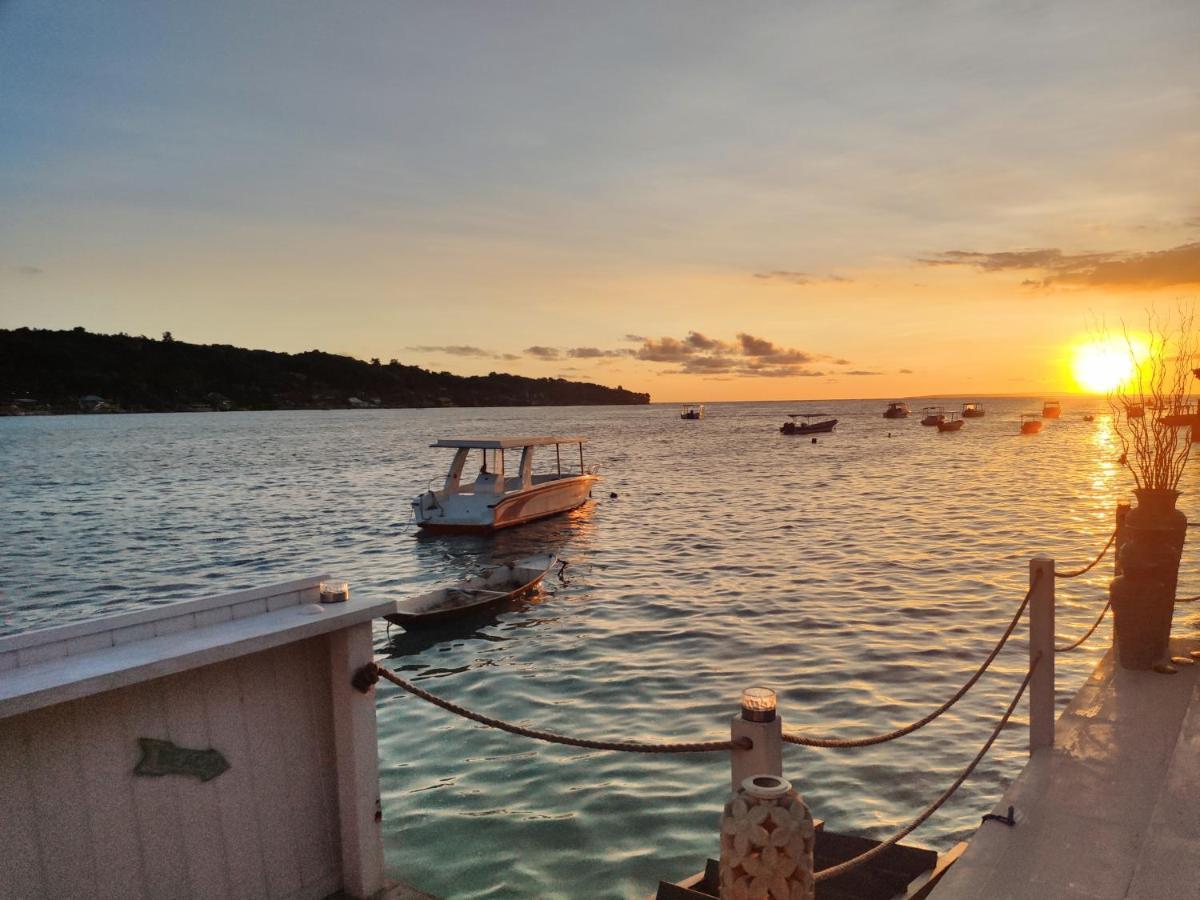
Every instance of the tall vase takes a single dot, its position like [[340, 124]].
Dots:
[[1143, 595], [766, 843]]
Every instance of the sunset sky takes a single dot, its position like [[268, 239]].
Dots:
[[701, 200]]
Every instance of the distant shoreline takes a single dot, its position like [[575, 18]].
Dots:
[[77, 372]]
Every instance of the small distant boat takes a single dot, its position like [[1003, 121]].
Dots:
[[1031, 423], [1089, 418], [491, 586], [794, 427], [953, 423], [692, 412], [1051, 409], [1134, 411], [973, 411], [931, 415], [897, 410], [493, 501]]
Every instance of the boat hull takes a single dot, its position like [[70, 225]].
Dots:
[[1031, 427], [816, 428], [950, 426], [436, 606], [476, 515], [933, 420], [896, 414], [973, 414]]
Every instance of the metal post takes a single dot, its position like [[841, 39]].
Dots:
[[581, 459], [758, 722], [1122, 512], [1041, 649], [558, 458]]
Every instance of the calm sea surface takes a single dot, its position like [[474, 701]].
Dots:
[[863, 577]]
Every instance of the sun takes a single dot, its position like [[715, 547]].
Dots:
[[1102, 364]]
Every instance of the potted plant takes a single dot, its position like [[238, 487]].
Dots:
[[1150, 411]]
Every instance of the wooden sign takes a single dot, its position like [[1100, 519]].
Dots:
[[164, 758]]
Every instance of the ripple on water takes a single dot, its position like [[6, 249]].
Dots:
[[864, 577]]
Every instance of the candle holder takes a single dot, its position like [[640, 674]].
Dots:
[[758, 704], [335, 591]]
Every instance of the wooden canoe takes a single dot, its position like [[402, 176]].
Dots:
[[491, 586]]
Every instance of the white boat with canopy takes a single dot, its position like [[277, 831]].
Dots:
[[493, 500]]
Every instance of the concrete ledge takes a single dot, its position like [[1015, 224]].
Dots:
[[1104, 812]]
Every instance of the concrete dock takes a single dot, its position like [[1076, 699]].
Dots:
[[1111, 810]]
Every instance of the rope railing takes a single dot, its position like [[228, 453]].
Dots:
[[1079, 643], [805, 740], [1095, 562], [371, 673], [844, 867]]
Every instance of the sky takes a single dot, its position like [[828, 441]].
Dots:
[[705, 201]]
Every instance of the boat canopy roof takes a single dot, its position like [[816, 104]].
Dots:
[[808, 415], [506, 443]]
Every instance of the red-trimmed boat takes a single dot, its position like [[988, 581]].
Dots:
[[493, 501]]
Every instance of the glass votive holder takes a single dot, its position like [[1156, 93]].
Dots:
[[758, 704], [335, 591]]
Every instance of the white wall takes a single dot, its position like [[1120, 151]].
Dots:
[[76, 822]]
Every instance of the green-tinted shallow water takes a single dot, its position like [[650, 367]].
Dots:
[[864, 577]]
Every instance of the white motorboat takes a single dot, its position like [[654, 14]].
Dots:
[[493, 501], [476, 592]]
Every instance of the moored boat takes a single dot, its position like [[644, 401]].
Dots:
[[897, 409], [493, 501], [931, 415], [1051, 409], [491, 586], [952, 423], [794, 427], [1031, 423], [973, 410], [692, 412]]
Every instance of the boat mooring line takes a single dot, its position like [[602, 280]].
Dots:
[[1112, 537], [844, 867], [371, 673], [805, 740]]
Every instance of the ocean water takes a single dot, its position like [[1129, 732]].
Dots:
[[863, 577]]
